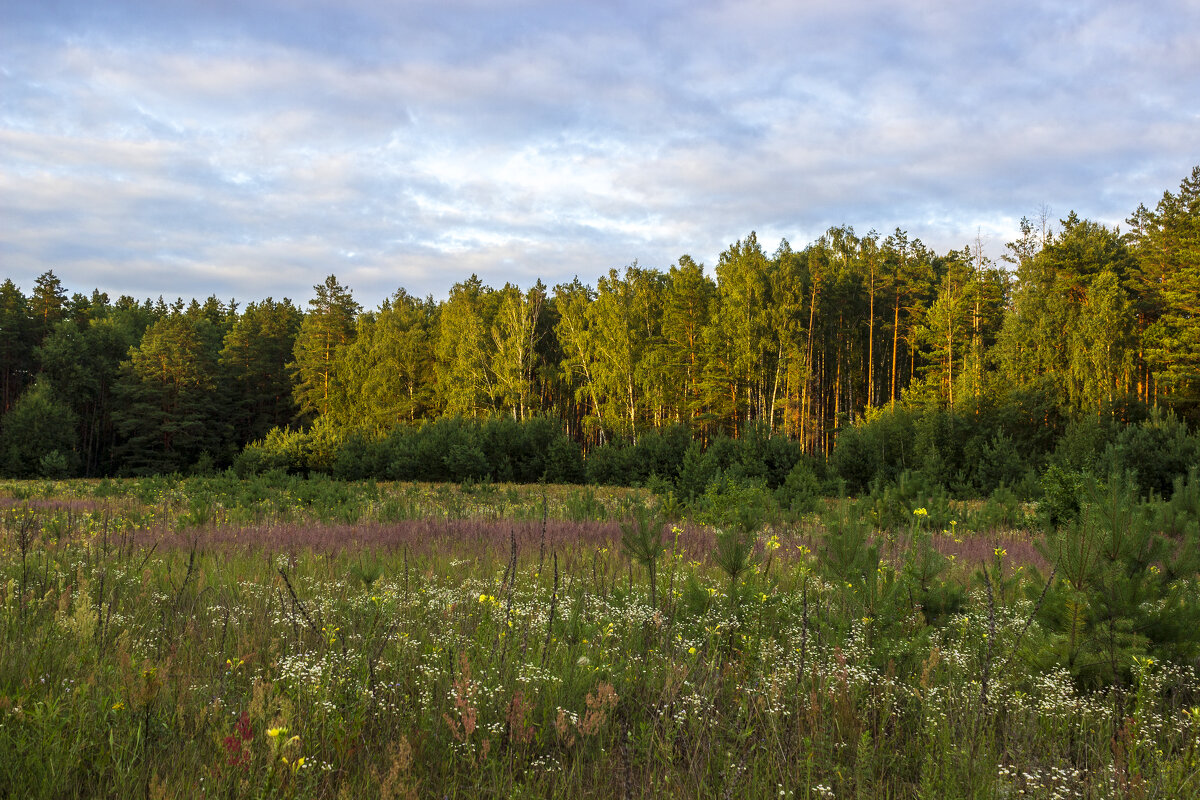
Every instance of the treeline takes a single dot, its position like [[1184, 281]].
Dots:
[[796, 345]]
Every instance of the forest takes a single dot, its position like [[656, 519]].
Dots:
[[862, 355], [860, 520]]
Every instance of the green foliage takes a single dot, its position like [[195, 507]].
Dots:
[[1084, 441], [328, 327], [1070, 317], [925, 575], [1002, 511], [1165, 242], [892, 504], [610, 464], [1179, 516], [1062, 496], [425, 663], [1126, 589], [880, 448], [255, 355], [463, 350], [642, 541], [583, 505], [1156, 451], [37, 436], [1000, 464], [564, 462], [801, 490], [695, 473], [296, 451], [15, 342], [169, 398], [876, 353], [732, 503]]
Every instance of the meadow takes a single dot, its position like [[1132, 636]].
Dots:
[[312, 638]]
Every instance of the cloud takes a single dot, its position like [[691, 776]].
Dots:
[[251, 149]]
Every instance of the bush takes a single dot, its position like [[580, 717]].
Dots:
[[1001, 512], [801, 490], [564, 462], [730, 503], [1000, 464], [877, 449], [694, 474], [1062, 496], [358, 458], [893, 504], [294, 451], [1123, 596], [1156, 451], [610, 464], [660, 452], [35, 427], [1083, 443]]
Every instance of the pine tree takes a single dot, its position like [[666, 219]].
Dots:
[[255, 354], [1167, 245], [328, 325], [47, 305], [15, 346], [167, 415]]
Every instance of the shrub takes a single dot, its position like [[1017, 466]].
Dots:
[[730, 503], [1062, 493], [610, 464], [801, 490], [564, 462], [1000, 464], [1156, 451], [35, 426], [877, 449]]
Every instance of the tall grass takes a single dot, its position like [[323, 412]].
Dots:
[[155, 647]]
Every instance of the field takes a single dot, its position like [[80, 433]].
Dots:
[[287, 637]]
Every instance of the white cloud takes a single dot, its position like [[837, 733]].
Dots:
[[252, 154]]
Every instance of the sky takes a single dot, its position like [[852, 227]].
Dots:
[[249, 148]]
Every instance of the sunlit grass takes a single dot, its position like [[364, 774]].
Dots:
[[169, 640]]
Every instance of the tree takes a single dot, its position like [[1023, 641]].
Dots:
[[1166, 243], [1103, 345], [686, 312], [945, 330], [910, 276], [790, 315], [15, 345], [47, 305], [255, 356], [742, 321], [37, 436], [464, 348], [623, 326], [81, 364], [1052, 317], [516, 332], [576, 339], [387, 371], [328, 325], [167, 414]]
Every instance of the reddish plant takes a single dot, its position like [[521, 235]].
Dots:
[[237, 744]]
